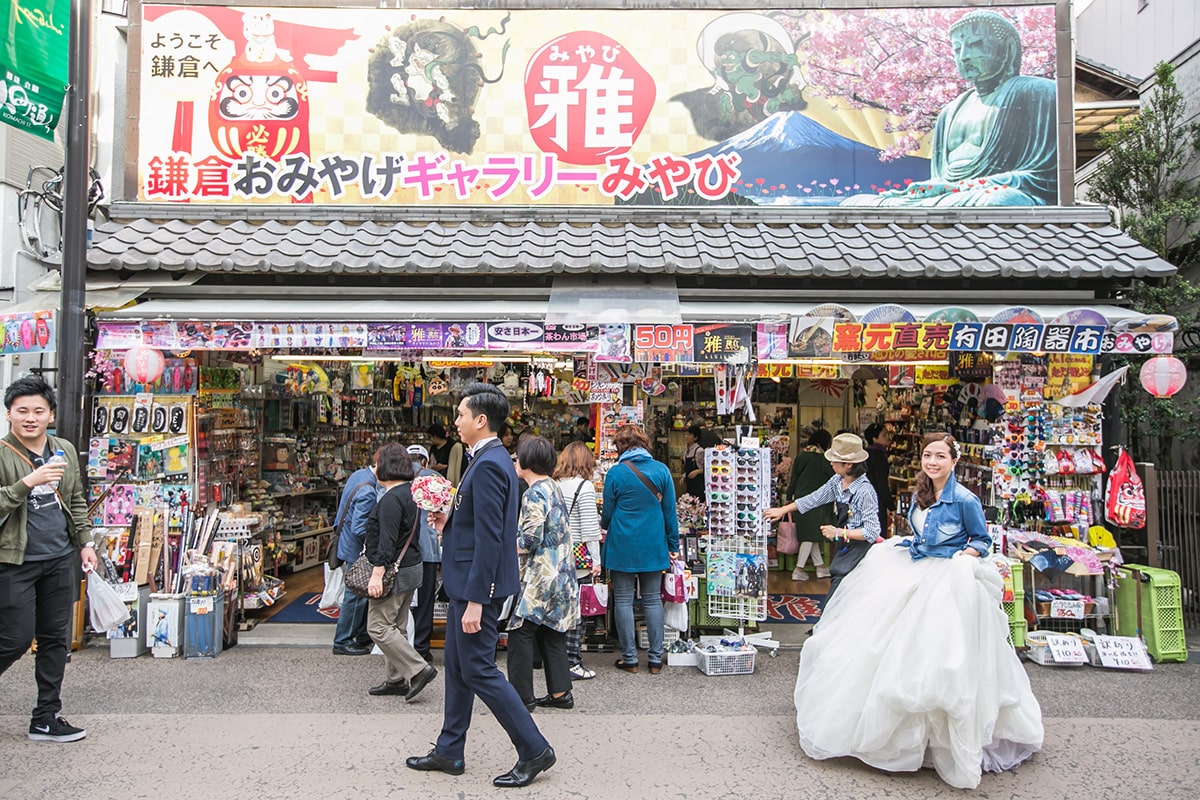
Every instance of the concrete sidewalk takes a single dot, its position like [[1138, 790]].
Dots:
[[296, 722]]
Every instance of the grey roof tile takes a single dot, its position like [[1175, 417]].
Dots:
[[877, 248]]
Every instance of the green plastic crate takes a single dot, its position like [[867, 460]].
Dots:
[[700, 618], [1161, 623], [1015, 609], [1016, 633]]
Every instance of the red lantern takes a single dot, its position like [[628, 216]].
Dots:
[[144, 364], [1163, 376]]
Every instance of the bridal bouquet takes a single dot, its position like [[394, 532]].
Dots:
[[432, 492]]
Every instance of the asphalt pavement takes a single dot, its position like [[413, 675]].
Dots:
[[296, 722]]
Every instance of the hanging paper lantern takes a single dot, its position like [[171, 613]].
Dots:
[[144, 364], [1163, 376]]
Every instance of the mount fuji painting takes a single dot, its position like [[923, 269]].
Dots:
[[790, 159]]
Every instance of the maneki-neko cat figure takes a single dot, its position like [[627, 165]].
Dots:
[[259, 101]]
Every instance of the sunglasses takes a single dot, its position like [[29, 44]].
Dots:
[[720, 497], [718, 469]]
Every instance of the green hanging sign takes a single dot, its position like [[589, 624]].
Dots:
[[33, 64]]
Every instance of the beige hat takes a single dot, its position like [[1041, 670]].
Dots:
[[847, 448]]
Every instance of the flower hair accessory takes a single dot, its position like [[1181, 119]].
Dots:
[[432, 492]]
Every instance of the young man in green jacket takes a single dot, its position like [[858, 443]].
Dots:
[[45, 536]]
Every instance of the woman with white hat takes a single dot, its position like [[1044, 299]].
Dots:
[[855, 507], [910, 666]]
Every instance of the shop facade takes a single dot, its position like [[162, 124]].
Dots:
[[337, 264]]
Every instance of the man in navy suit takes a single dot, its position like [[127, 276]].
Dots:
[[479, 570]]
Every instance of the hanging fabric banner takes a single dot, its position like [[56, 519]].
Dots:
[[33, 65]]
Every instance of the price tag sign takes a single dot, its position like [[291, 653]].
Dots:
[[1066, 609], [1122, 652], [201, 605], [1066, 649], [128, 591]]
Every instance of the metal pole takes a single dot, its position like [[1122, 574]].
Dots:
[[75, 203], [1153, 521]]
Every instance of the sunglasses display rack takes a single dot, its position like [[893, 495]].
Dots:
[[738, 482]]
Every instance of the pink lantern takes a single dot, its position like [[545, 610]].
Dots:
[[1163, 376], [144, 364]]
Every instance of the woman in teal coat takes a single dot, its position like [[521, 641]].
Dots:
[[811, 471], [641, 541]]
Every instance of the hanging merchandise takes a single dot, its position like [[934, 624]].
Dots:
[[1125, 497]]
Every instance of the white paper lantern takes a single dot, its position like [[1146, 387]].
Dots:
[[1163, 376]]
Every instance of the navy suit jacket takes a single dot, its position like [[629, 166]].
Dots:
[[479, 542]]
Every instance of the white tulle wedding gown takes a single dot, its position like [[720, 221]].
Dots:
[[910, 667]]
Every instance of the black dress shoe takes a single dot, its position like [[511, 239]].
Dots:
[[525, 771], [550, 701], [530, 705], [436, 763], [419, 682], [388, 687], [350, 650]]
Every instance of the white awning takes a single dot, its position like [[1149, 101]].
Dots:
[[535, 308]]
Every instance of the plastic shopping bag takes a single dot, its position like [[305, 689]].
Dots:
[[107, 610], [335, 587], [674, 587], [593, 599], [675, 616]]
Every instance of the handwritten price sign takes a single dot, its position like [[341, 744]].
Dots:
[[1122, 652], [1066, 649], [1066, 609]]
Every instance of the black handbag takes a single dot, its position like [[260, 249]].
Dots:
[[358, 575]]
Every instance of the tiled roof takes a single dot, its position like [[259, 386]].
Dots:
[[831, 243]]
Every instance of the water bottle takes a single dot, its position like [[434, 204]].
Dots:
[[59, 457]]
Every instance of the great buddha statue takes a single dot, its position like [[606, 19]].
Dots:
[[996, 143]]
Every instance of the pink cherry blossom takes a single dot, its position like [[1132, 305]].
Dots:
[[899, 61]]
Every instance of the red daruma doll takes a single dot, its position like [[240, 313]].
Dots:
[[259, 101]]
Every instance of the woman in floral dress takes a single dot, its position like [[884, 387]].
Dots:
[[548, 603]]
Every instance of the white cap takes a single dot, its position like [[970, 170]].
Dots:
[[418, 450]]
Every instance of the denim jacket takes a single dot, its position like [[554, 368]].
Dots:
[[953, 523]]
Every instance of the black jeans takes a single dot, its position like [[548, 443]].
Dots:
[[35, 600], [551, 645], [423, 613]]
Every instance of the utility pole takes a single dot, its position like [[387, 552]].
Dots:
[[76, 183]]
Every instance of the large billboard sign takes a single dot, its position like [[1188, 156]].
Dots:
[[875, 107]]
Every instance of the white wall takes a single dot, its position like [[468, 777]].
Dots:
[[1119, 35]]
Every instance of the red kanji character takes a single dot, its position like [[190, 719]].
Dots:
[[878, 336], [907, 336], [935, 336], [715, 175], [168, 176], [847, 337], [212, 178], [624, 178]]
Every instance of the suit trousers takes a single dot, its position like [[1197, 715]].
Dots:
[[387, 622], [35, 600], [471, 672]]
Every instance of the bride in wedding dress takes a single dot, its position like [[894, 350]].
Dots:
[[910, 664]]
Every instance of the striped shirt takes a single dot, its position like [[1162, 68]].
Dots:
[[864, 504], [585, 520]]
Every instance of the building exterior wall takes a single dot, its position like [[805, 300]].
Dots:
[[1133, 36]]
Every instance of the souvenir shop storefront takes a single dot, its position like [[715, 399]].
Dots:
[[231, 439], [608, 224]]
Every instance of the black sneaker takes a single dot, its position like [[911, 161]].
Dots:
[[56, 730]]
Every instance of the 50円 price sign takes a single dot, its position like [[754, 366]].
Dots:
[[1066, 609], [1122, 652]]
